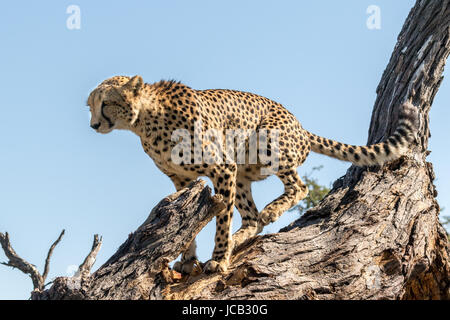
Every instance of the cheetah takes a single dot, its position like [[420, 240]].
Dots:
[[155, 111]]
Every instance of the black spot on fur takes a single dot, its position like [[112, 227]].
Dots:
[[387, 150], [402, 132], [392, 140]]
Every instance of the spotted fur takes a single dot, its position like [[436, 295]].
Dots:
[[155, 111], [376, 154]]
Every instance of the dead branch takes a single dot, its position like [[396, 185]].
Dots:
[[85, 268], [15, 261], [49, 255]]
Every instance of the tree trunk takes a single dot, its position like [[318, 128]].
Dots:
[[375, 236]]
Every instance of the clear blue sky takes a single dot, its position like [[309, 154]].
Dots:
[[318, 58]]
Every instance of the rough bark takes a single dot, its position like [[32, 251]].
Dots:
[[375, 236]]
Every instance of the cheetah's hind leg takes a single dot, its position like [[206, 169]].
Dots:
[[294, 191]]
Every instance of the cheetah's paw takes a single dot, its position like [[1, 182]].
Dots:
[[265, 218], [184, 267], [213, 266]]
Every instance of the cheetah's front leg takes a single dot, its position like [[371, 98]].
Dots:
[[224, 181]]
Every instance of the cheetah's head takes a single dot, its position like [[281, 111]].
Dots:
[[115, 103]]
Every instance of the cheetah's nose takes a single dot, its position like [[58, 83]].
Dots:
[[95, 126]]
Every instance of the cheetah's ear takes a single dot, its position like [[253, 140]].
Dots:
[[135, 85]]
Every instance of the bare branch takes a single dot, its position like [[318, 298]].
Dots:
[[49, 255], [85, 268], [15, 261]]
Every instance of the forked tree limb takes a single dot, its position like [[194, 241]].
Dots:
[[81, 276], [15, 261]]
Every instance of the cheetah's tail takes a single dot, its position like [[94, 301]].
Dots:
[[376, 154]]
